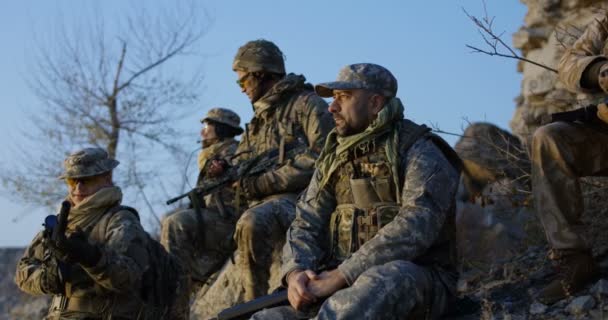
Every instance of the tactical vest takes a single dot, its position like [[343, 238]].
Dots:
[[367, 198]]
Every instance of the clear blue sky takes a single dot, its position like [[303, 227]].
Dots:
[[421, 42]]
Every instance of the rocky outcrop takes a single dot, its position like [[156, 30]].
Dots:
[[549, 27]]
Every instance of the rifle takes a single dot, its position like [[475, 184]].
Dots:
[[245, 310], [247, 168], [54, 231], [277, 298], [587, 114]]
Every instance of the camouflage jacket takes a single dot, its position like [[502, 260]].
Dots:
[[421, 228], [293, 112], [223, 200], [590, 47], [89, 292]]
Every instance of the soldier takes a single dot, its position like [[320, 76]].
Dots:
[[89, 277], [561, 153], [378, 215], [201, 237], [287, 113]]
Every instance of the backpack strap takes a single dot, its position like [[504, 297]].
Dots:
[[99, 231]]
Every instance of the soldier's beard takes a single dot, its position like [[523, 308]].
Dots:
[[209, 142], [344, 129]]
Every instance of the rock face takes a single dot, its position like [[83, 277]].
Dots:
[[549, 27], [15, 304]]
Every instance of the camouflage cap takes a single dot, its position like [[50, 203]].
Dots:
[[259, 56], [224, 116], [88, 162], [367, 76]]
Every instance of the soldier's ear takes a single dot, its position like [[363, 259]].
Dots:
[[378, 102]]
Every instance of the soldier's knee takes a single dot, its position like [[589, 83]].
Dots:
[[248, 225], [546, 137]]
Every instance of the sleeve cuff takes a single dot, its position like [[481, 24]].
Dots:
[[351, 269]]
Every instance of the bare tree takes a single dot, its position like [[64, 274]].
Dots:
[[114, 85], [496, 46]]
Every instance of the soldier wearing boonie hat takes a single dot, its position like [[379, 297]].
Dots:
[[87, 162], [96, 287], [391, 185]]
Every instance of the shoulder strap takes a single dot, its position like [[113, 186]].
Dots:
[[410, 132], [99, 231]]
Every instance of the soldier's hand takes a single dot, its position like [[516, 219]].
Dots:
[[76, 248], [602, 112], [602, 77], [217, 168], [297, 288], [327, 283]]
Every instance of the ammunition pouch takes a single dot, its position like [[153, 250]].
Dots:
[[351, 226]]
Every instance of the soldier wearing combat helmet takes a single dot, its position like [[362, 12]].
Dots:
[[91, 274], [201, 237], [378, 215], [287, 114]]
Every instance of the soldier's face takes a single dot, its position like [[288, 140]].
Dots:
[[208, 131], [81, 188], [352, 111], [249, 85]]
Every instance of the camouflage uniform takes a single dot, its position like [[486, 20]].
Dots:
[[202, 239], [109, 288], [396, 247], [289, 113], [563, 152]]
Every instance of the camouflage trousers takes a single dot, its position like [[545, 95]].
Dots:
[[201, 248], [260, 235], [561, 153], [395, 290]]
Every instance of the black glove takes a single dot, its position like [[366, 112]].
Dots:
[[75, 248], [51, 280]]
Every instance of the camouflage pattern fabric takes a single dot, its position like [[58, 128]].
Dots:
[[260, 235], [259, 56], [367, 76], [89, 292], [561, 153], [202, 244], [288, 113], [395, 290], [590, 47], [418, 234], [225, 116], [88, 162]]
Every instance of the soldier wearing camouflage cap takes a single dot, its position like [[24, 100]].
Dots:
[[377, 215], [201, 236], [287, 113], [91, 275]]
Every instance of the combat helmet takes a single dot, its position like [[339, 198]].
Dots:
[[224, 116], [259, 56]]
